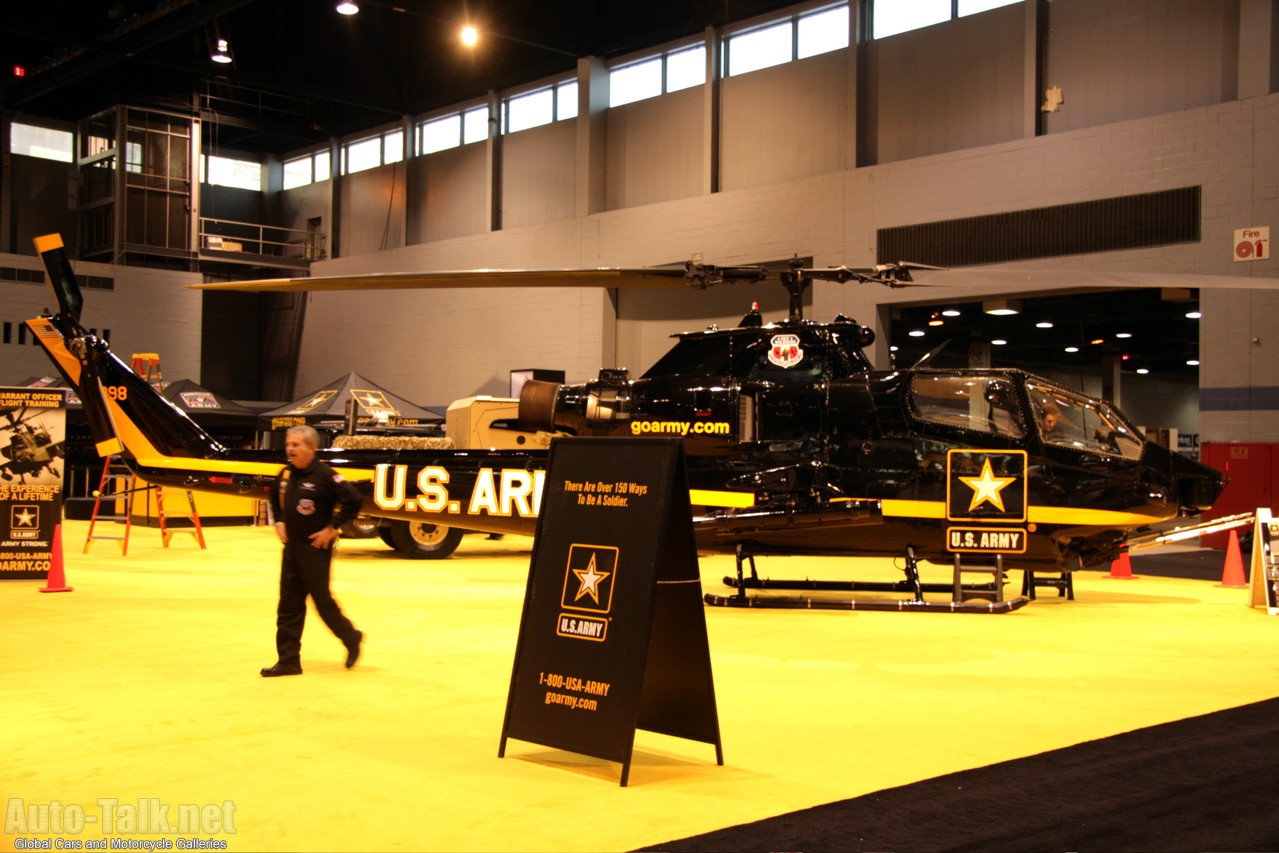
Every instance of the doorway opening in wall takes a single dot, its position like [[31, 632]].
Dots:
[[1138, 347]]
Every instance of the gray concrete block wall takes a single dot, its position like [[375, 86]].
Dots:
[[1226, 149], [148, 311]]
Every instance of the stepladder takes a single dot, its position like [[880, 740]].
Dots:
[[113, 502], [115, 499], [166, 532]]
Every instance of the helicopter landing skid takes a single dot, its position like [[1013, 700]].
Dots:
[[911, 584], [902, 605]]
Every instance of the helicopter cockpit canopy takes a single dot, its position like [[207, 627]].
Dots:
[[991, 404], [1070, 419]]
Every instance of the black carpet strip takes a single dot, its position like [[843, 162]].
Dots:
[[1201, 564], [1208, 783], [1202, 784]]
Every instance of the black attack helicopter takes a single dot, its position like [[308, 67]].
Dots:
[[794, 443], [31, 448]]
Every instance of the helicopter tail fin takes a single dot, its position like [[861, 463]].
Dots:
[[125, 414]]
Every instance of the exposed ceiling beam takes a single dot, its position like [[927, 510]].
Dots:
[[96, 57]]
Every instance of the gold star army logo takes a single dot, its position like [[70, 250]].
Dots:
[[989, 487], [986, 485], [589, 578], [24, 515]]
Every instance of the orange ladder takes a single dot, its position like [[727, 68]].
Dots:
[[166, 534], [147, 365], [108, 489]]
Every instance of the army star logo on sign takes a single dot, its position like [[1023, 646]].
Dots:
[[589, 579]]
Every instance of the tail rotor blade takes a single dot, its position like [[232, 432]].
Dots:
[[61, 277]]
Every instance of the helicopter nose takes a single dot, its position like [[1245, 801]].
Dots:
[[1198, 485]]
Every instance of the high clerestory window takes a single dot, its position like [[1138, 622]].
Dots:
[[307, 169], [221, 171], [539, 106], [453, 130], [800, 36], [373, 151], [677, 69], [43, 142], [890, 17]]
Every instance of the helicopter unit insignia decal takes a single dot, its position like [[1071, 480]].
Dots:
[[785, 351], [986, 485]]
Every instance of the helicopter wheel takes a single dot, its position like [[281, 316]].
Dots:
[[422, 541]]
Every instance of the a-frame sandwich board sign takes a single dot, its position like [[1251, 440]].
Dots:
[[613, 633], [1263, 575]]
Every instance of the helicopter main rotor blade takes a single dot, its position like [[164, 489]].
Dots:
[[657, 277]]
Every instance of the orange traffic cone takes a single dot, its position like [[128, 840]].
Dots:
[[1232, 572], [56, 582], [1121, 569]]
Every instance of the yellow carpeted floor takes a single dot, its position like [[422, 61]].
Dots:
[[138, 694]]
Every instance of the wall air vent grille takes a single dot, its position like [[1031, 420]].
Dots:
[[1104, 225]]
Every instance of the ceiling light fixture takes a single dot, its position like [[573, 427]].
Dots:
[[470, 35], [1072, 349], [951, 312], [1193, 315], [222, 53], [916, 333], [1143, 371], [346, 7], [1096, 341], [1043, 324], [1002, 307], [1192, 362], [1123, 334], [998, 342], [936, 320]]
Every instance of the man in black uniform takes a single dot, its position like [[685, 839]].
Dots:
[[310, 501]]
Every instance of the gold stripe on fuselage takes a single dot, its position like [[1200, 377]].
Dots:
[[231, 467], [699, 497], [1056, 515], [712, 497]]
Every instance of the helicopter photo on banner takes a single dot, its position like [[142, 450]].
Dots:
[[32, 463]]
